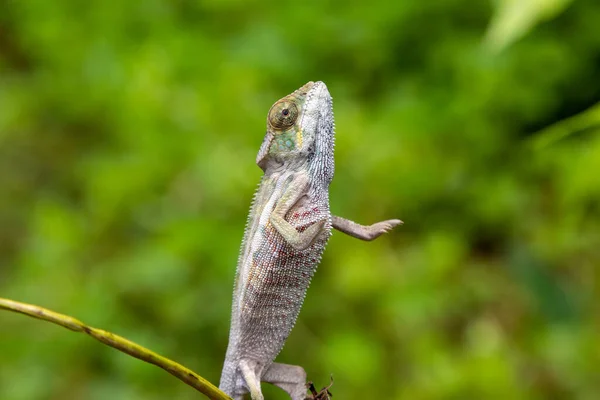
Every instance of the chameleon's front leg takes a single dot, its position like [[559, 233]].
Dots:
[[361, 231], [294, 192]]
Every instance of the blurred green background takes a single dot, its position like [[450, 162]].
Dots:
[[128, 134]]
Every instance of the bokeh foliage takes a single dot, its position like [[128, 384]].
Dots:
[[128, 133]]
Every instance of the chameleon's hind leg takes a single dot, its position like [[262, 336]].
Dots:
[[361, 231], [249, 372], [294, 192], [290, 378]]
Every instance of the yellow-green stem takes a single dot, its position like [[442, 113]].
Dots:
[[177, 370]]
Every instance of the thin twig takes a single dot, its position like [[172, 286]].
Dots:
[[126, 346]]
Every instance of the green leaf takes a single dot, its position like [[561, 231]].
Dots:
[[513, 19]]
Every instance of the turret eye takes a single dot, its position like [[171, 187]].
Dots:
[[283, 114]]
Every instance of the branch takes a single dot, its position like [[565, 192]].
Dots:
[[177, 370]]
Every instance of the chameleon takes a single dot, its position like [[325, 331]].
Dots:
[[286, 232]]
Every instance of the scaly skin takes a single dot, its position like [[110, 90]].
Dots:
[[287, 230]]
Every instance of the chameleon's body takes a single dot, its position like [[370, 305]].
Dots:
[[287, 230]]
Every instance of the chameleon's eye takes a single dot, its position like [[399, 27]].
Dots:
[[283, 114]]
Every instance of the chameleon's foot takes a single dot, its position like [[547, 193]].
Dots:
[[382, 227], [324, 394]]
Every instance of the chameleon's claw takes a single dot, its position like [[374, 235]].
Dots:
[[385, 226]]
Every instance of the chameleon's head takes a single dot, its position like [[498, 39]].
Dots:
[[300, 132]]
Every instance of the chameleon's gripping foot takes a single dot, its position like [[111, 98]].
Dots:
[[385, 226]]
